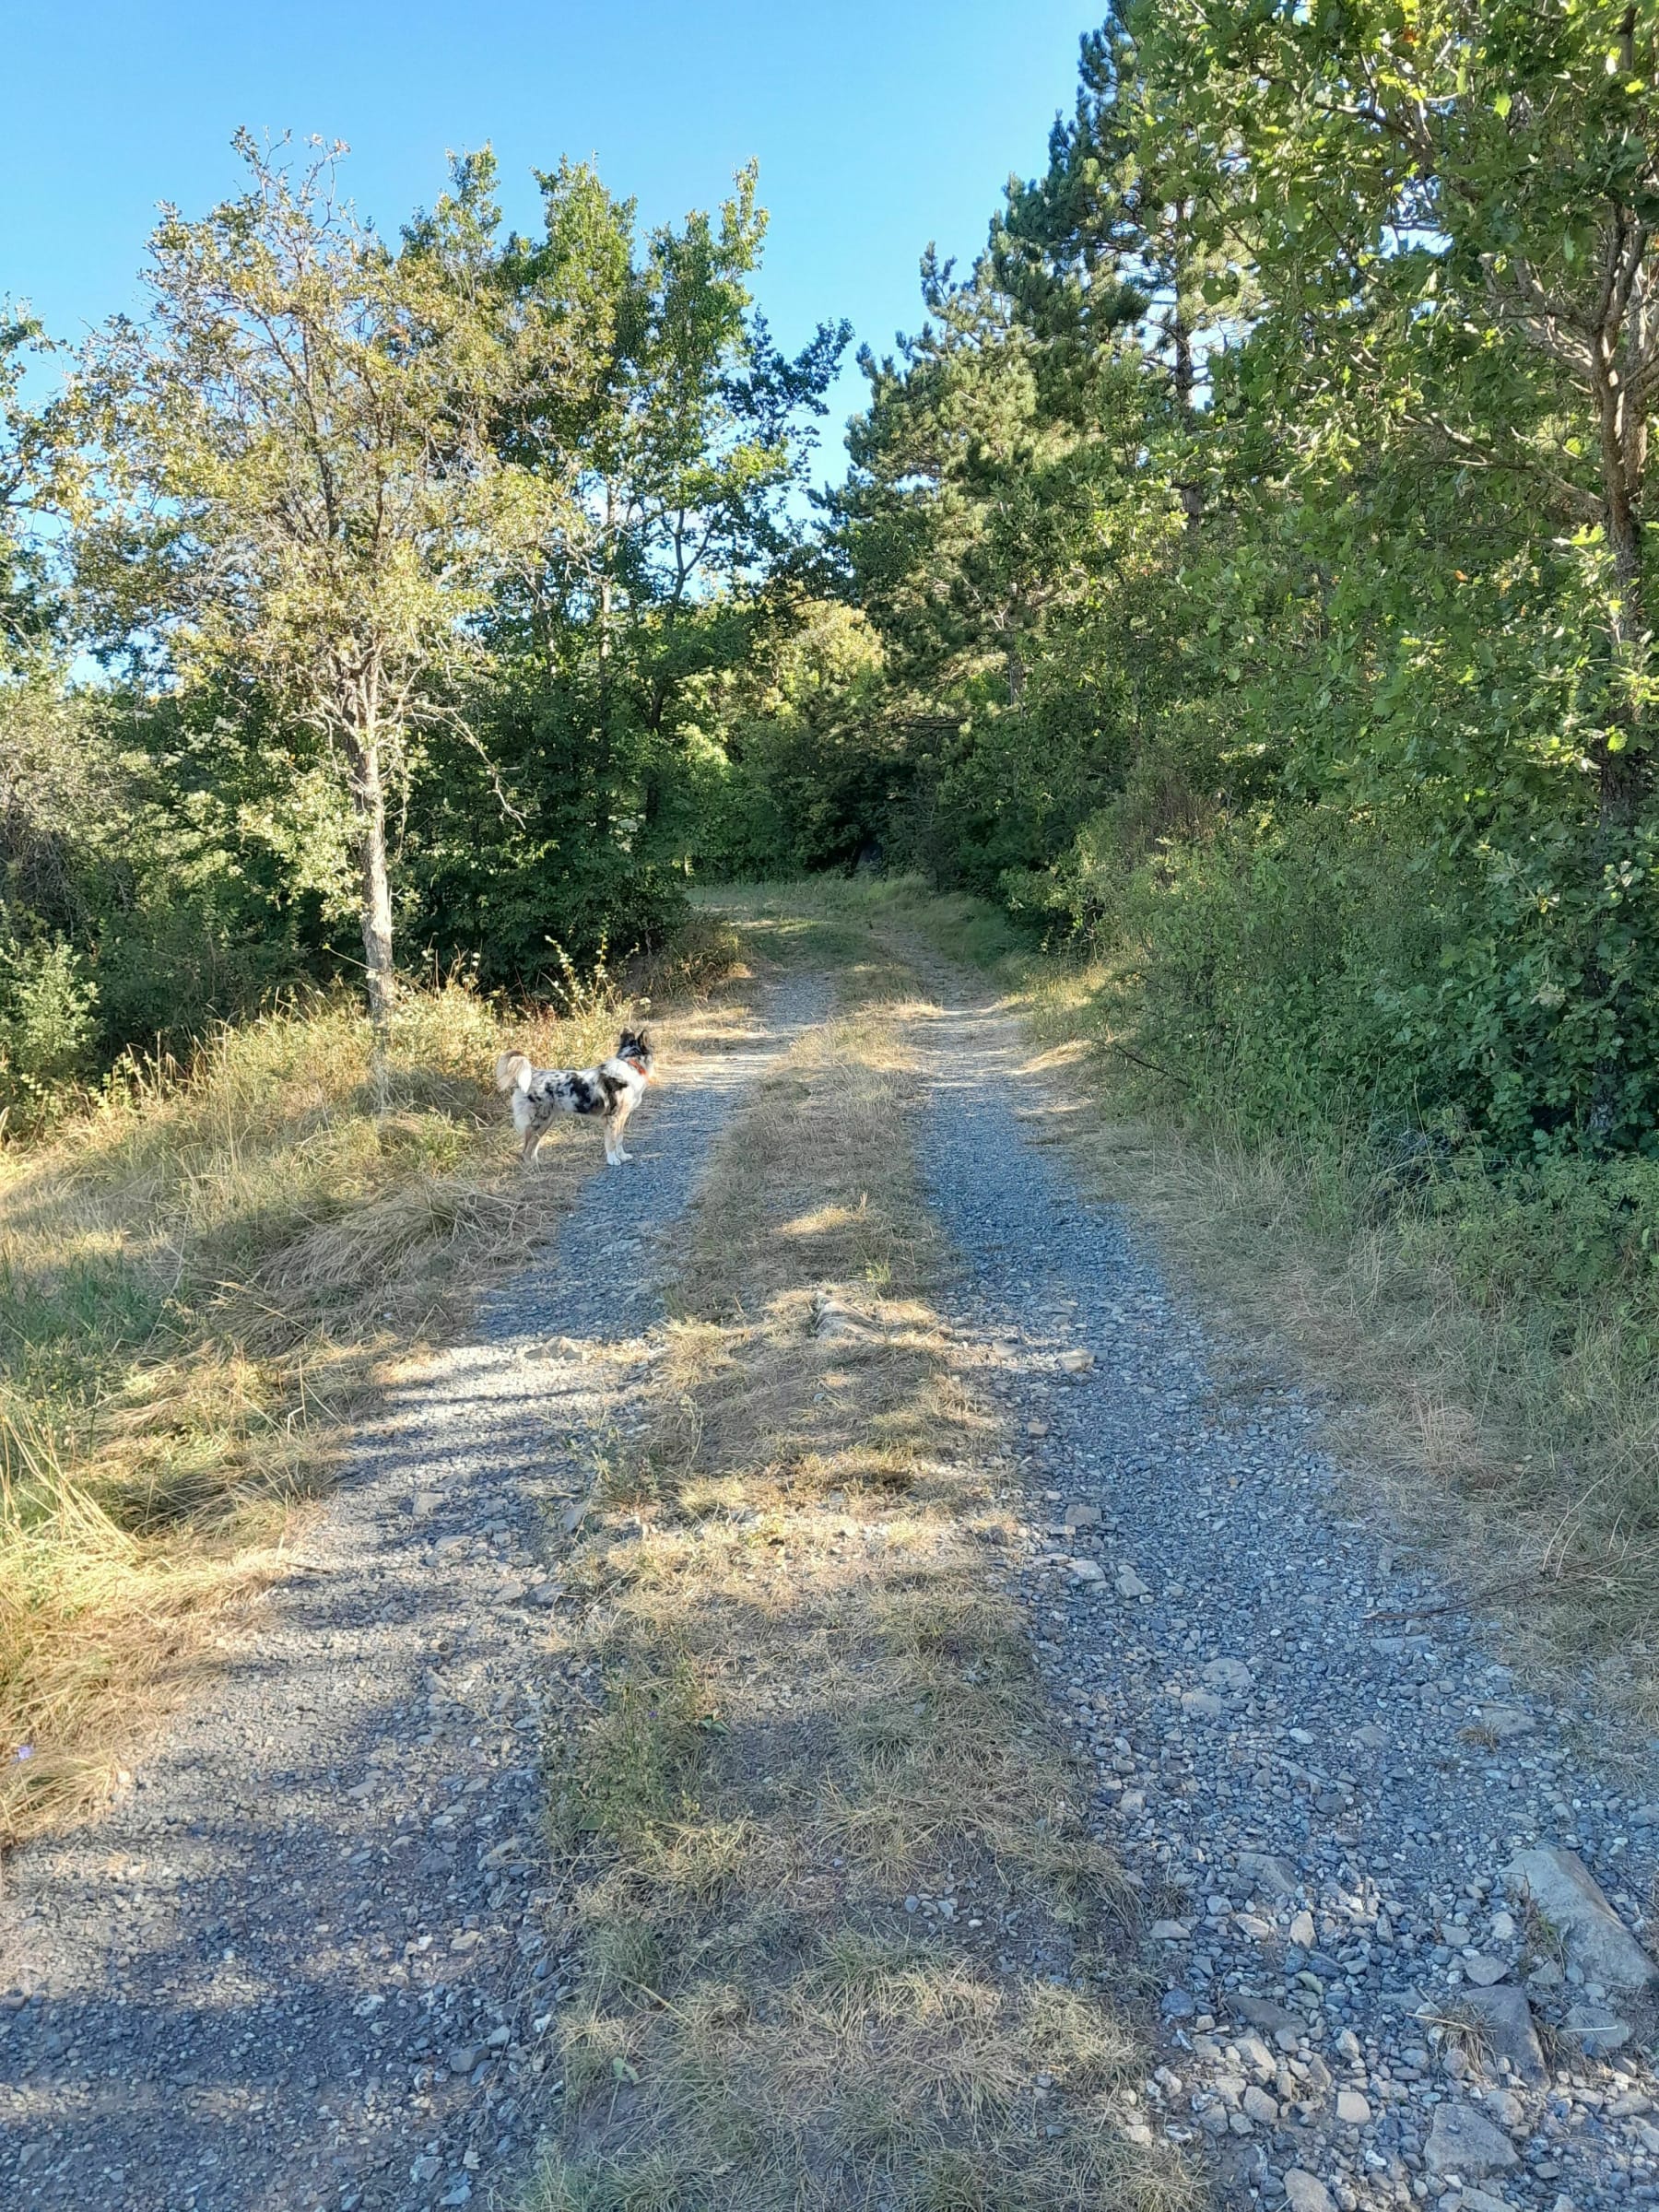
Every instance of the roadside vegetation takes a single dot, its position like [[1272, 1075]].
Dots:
[[422, 567], [1485, 1337], [1252, 543], [203, 1279], [800, 1702]]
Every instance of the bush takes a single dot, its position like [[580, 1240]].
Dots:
[[48, 1026], [1273, 967], [1315, 966], [170, 968]]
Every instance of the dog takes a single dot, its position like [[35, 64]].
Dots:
[[612, 1089]]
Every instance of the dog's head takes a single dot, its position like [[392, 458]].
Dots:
[[634, 1046]]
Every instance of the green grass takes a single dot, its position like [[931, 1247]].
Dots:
[[840, 919]]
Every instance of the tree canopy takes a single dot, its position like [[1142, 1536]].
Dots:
[[1244, 564]]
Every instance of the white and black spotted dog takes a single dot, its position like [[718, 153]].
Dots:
[[612, 1089]]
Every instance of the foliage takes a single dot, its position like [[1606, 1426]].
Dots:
[[1255, 539], [46, 1028], [792, 769], [683, 441], [1245, 565], [426, 576], [287, 475]]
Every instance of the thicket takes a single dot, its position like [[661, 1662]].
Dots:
[[1255, 543], [1255, 538], [1245, 568]]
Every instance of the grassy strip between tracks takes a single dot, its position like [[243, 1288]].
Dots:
[[1484, 1337], [798, 1699]]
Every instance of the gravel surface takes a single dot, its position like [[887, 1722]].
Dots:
[[1316, 1764], [1393, 1894], [304, 1961]]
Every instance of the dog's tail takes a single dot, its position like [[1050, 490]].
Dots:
[[514, 1072]]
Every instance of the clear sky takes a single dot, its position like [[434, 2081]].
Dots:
[[878, 124]]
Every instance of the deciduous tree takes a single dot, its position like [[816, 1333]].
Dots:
[[290, 476]]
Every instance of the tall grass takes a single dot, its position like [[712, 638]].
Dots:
[[201, 1277]]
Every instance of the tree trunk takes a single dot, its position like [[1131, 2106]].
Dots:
[[1186, 379], [1623, 773], [369, 795], [606, 543]]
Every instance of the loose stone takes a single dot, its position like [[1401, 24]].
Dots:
[[1484, 1973], [1565, 1892], [1462, 2142], [1305, 2191]]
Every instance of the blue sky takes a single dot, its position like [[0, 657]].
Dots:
[[877, 127]]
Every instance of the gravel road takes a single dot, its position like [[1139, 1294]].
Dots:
[[1316, 1763], [304, 1961], [1392, 1892]]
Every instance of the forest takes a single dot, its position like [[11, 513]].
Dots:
[[1240, 572]]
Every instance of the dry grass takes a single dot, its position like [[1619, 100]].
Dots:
[[1512, 1433], [817, 1702], [201, 1280]]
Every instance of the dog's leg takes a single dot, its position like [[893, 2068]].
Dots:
[[620, 1123], [533, 1139]]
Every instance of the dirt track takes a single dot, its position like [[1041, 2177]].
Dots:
[[305, 1962], [302, 1961]]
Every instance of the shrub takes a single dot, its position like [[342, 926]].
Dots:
[[48, 1024]]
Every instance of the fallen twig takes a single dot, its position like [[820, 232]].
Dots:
[[1520, 1585], [1140, 1061]]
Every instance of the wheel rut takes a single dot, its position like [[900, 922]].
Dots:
[[1309, 1754], [305, 1961]]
